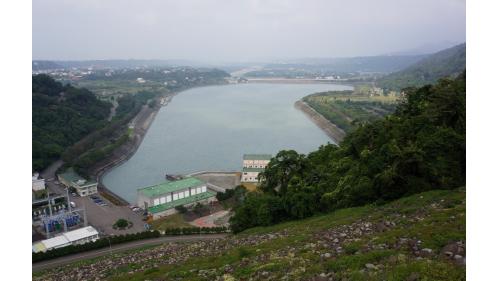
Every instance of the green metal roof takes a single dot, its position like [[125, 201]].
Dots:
[[170, 186], [183, 201], [257, 156], [71, 176], [258, 170]]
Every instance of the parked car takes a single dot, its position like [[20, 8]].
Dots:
[[72, 204], [136, 209]]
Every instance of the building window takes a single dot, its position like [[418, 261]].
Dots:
[[181, 195], [203, 189], [176, 196], [169, 198], [156, 202], [186, 193]]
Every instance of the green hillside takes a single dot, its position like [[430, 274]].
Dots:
[[421, 237], [449, 62], [62, 115], [387, 203]]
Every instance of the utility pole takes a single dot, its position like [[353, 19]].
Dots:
[[67, 198], [85, 223]]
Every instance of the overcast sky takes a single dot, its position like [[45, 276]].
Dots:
[[210, 30]]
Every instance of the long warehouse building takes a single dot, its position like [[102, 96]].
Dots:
[[161, 199], [75, 237]]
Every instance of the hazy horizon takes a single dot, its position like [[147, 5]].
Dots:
[[242, 31]]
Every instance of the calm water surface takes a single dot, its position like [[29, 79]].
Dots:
[[210, 128]]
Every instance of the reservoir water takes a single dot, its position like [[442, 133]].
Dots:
[[210, 128]]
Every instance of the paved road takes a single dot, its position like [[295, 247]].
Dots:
[[118, 248]]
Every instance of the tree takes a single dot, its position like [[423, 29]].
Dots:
[[121, 223], [280, 170], [419, 147]]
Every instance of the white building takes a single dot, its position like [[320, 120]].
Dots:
[[75, 237], [82, 186], [253, 164], [37, 183]]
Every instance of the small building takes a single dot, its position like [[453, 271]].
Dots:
[[161, 199], [253, 165], [82, 186], [37, 183], [75, 237]]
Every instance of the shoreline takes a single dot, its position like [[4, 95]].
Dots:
[[296, 81], [330, 129], [143, 120], [141, 124]]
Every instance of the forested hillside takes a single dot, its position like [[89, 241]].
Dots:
[[418, 148], [62, 115], [449, 62]]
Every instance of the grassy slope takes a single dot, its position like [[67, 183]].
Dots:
[[383, 236], [362, 107], [173, 221]]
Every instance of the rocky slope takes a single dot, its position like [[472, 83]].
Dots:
[[421, 237]]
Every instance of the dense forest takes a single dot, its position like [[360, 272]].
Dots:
[[62, 115], [421, 146], [449, 62], [100, 144]]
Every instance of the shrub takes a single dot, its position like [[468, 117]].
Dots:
[[121, 223], [181, 209]]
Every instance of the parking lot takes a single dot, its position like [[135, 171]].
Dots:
[[101, 216]]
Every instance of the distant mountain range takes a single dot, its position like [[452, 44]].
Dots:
[[425, 49], [381, 64], [101, 64], [449, 62]]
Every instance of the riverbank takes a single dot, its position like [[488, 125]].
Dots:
[[139, 126], [175, 154], [330, 129], [296, 81]]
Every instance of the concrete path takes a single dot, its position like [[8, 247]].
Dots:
[[209, 221], [118, 248]]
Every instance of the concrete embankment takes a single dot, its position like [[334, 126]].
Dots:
[[331, 130], [139, 125]]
